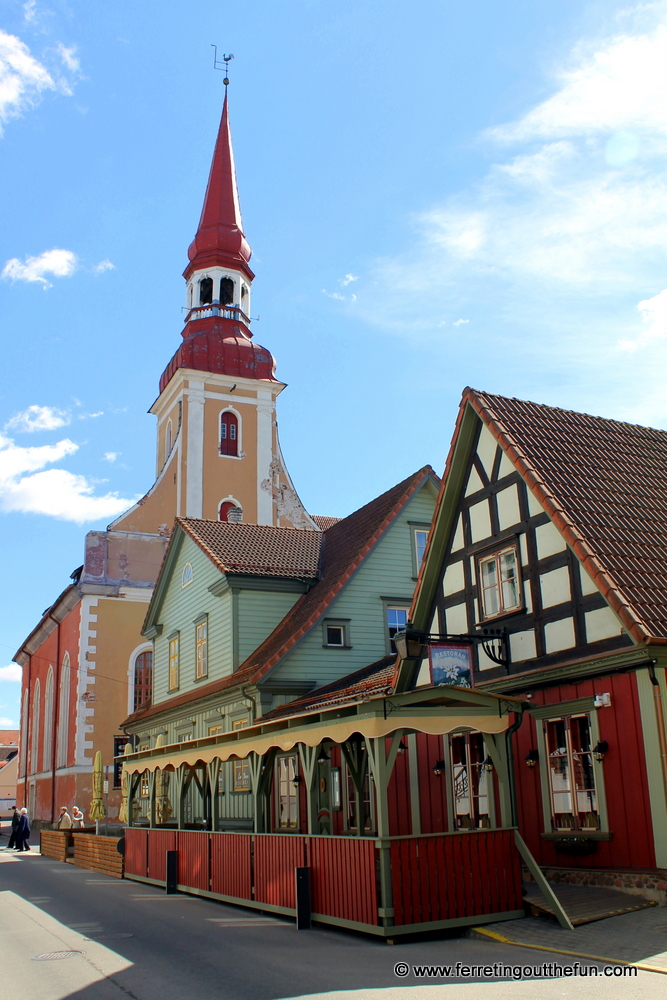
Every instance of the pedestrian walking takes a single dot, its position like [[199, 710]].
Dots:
[[23, 831], [64, 820], [15, 823], [77, 818]]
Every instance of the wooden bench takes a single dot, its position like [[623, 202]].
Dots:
[[55, 844]]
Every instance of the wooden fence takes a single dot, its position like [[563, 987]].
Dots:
[[98, 854], [389, 887]]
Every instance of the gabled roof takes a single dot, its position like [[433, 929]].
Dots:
[[257, 549], [602, 482], [345, 545], [323, 521]]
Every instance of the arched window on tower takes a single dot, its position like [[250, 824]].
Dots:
[[226, 292], [230, 511], [229, 434], [205, 291], [143, 679]]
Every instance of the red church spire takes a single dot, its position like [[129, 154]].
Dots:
[[220, 240]]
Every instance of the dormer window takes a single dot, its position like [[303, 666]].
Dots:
[[499, 583], [229, 434], [205, 291], [226, 292]]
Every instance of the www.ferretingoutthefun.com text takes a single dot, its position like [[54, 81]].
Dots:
[[548, 970]]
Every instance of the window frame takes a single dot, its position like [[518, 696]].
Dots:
[[475, 815], [135, 687], [511, 545], [240, 767], [238, 431], [174, 662], [201, 643], [344, 625], [292, 791], [393, 604], [417, 526]]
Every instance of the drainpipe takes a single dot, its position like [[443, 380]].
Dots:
[[660, 719], [56, 720], [27, 734], [510, 767], [249, 697]]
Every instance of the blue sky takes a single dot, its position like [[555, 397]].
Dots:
[[437, 195]]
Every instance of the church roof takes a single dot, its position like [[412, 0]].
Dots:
[[345, 545], [604, 485], [257, 549], [220, 239]]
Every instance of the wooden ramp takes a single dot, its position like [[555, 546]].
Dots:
[[584, 903]]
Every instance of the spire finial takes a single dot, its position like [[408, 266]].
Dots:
[[219, 65]]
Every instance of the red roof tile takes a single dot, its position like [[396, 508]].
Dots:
[[257, 549], [604, 485], [324, 522]]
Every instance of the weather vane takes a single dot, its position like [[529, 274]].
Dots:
[[224, 65]]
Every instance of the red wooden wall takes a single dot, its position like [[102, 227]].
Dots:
[[626, 786]]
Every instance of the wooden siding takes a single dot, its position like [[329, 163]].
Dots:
[[136, 852], [159, 842], [455, 876], [193, 859], [98, 854], [342, 878], [276, 857], [180, 607], [624, 775], [231, 865], [259, 612], [387, 572]]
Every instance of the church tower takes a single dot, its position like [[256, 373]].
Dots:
[[218, 455]]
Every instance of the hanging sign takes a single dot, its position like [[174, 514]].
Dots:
[[450, 664]]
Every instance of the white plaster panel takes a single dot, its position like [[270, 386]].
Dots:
[[454, 580], [559, 635], [534, 507], [523, 546], [474, 482], [457, 619], [555, 587], [506, 467], [508, 507], [549, 540], [486, 449], [601, 624], [587, 584], [522, 646], [480, 521], [424, 675], [485, 662], [527, 596], [458, 540]]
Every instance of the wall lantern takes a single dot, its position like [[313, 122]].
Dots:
[[296, 780], [322, 757], [532, 758], [409, 643], [438, 768], [402, 747], [488, 764], [600, 749]]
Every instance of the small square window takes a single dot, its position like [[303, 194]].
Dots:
[[335, 635], [397, 620], [499, 582], [421, 538]]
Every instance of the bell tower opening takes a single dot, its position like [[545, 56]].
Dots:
[[205, 291], [226, 292]]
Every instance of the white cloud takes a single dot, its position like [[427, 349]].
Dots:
[[38, 418], [6, 723], [654, 315], [348, 279], [104, 265], [333, 295], [59, 263], [111, 456], [25, 488], [22, 78], [68, 57], [460, 322], [30, 11], [12, 673]]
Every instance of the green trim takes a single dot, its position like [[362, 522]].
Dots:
[[153, 631], [545, 888], [289, 585], [164, 577], [582, 668], [656, 784], [219, 588], [563, 708]]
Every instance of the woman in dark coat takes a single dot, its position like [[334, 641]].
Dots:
[[23, 832], [16, 817]]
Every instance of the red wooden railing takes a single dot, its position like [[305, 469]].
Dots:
[[342, 878], [454, 876], [434, 878]]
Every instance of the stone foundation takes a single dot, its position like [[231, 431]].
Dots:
[[648, 884]]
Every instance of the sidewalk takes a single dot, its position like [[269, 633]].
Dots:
[[638, 938]]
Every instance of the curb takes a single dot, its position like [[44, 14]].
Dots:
[[485, 933]]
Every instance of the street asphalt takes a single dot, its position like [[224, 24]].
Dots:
[[109, 939]]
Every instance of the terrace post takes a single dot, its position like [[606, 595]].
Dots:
[[382, 765], [308, 757], [132, 787], [212, 775], [497, 749], [151, 799], [356, 760], [179, 781]]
